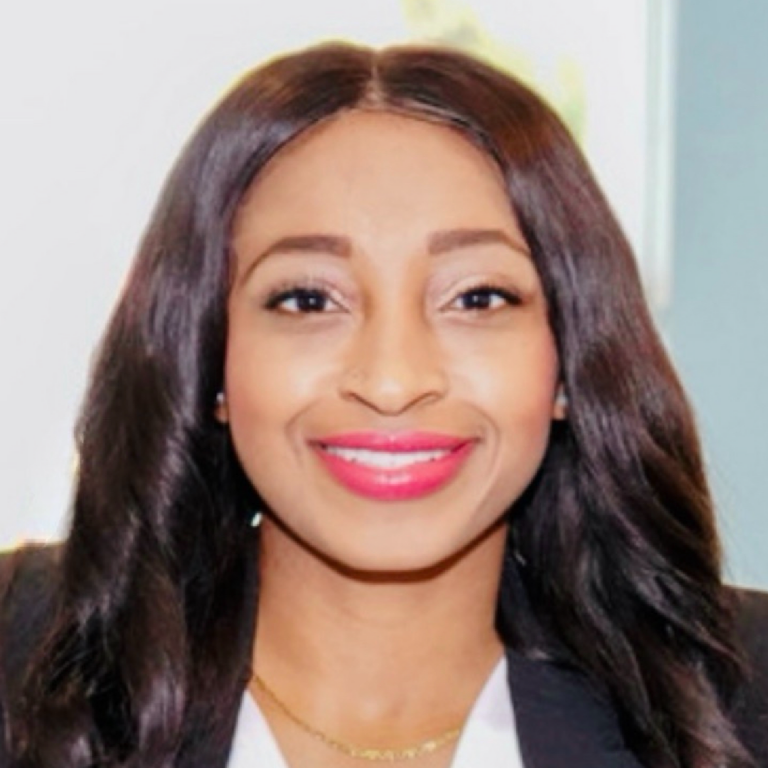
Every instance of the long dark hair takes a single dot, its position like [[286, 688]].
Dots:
[[612, 564]]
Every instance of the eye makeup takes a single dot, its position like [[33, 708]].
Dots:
[[309, 294], [482, 294]]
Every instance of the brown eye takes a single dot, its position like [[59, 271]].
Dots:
[[299, 301], [485, 297]]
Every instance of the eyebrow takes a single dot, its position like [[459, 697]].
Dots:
[[334, 245], [454, 239], [443, 241]]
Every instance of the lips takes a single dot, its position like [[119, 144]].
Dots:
[[393, 466]]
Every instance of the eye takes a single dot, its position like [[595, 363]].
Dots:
[[484, 298], [299, 300]]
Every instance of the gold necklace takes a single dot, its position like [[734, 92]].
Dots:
[[372, 754]]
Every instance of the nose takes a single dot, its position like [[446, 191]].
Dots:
[[394, 366]]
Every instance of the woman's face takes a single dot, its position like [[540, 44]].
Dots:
[[390, 372]]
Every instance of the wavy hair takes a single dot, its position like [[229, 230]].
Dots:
[[612, 562]]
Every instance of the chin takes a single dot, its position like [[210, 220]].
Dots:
[[406, 556], [389, 570], [368, 544], [384, 565]]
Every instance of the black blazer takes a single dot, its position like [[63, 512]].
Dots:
[[561, 722]]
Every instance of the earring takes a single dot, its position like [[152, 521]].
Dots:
[[256, 519], [561, 403], [220, 408]]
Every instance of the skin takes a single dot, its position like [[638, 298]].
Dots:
[[403, 593]]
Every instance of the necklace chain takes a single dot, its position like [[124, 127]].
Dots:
[[372, 754]]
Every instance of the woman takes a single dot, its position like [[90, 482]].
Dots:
[[383, 312]]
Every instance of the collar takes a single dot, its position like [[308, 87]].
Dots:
[[555, 719], [561, 721]]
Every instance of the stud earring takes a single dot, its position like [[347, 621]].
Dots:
[[256, 519], [561, 402], [220, 408]]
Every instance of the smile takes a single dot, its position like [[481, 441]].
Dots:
[[392, 467], [385, 459]]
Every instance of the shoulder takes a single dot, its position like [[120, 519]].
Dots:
[[30, 564], [752, 620], [28, 578], [750, 711], [557, 708]]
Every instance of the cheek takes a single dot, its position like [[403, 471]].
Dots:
[[514, 378], [514, 390], [518, 402], [269, 385], [265, 374]]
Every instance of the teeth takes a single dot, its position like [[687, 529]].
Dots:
[[385, 459]]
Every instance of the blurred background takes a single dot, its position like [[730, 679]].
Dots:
[[668, 98]]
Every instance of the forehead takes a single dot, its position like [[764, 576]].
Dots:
[[408, 165]]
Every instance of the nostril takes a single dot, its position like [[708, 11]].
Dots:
[[394, 366]]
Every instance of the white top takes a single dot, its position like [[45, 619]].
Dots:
[[489, 737]]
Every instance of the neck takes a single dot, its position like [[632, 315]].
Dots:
[[355, 651]]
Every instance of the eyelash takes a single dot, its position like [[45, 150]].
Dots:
[[314, 291], [283, 293], [490, 289]]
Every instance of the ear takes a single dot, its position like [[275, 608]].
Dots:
[[560, 404], [220, 410]]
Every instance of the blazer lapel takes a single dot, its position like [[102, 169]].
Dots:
[[561, 723]]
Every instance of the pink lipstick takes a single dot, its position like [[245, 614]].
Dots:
[[393, 466]]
